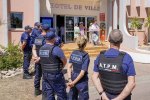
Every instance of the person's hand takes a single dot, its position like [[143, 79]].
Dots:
[[36, 59], [104, 96], [71, 84]]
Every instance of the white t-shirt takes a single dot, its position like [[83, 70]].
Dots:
[[76, 29], [94, 27]]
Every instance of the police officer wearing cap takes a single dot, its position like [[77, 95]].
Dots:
[[27, 51], [58, 42], [114, 72], [36, 31], [52, 60], [78, 77], [38, 43]]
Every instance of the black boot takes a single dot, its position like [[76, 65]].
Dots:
[[37, 92], [26, 76]]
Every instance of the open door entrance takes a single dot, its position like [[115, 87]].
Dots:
[[60, 22]]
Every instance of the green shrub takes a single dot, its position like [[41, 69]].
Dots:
[[11, 58]]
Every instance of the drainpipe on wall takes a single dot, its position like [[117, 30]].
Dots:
[[5, 22], [36, 10], [115, 14]]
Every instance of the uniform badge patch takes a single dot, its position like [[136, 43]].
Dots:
[[44, 53], [110, 67], [76, 58], [38, 41]]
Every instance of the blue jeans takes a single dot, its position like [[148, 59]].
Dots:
[[53, 84], [38, 75], [26, 62]]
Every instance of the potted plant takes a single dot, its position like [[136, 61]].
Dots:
[[135, 24]]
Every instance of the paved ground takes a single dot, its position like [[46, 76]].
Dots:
[[18, 89]]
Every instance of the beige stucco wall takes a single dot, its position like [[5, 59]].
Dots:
[[27, 7], [139, 12], [69, 10], [75, 8]]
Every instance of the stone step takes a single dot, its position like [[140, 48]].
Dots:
[[88, 48], [89, 51], [91, 54]]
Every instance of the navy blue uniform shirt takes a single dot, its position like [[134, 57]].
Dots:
[[85, 65], [25, 37], [35, 33], [41, 37], [128, 65], [58, 52]]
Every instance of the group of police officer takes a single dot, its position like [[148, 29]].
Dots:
[[113, 76]]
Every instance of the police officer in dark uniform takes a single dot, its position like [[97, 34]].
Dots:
[[27, 51], [114, 72], [36, 31], [39, 42], [78, 77], [58, 42], [53, 61]]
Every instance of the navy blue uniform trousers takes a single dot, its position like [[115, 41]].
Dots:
[[38, 75], [26, 62], [53, 84]]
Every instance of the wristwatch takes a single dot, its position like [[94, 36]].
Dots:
[[100, 93]]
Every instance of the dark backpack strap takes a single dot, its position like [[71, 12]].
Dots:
[[50, 53]]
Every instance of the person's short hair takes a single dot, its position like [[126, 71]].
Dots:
[[27, 27], [116, 37], [38, 24], [81, 42]]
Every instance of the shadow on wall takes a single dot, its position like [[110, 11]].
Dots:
[[45, 8]]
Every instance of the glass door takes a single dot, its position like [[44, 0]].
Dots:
[[69, 24]]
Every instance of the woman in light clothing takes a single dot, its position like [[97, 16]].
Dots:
[[76, 31], [82, 29], [95, 36]]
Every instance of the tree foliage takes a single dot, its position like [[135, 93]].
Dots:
[[135, 23], [147, 23], [11, 57]]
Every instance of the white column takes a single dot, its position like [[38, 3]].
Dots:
[[110, 17], [36, 10], [5, 22], [128, 41], [115, 15]]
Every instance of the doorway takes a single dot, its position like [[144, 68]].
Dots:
[[60, 21]]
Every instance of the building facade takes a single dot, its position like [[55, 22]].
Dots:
[[16, 14]]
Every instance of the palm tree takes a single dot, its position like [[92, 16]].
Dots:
[[135, 24], [147, 23]]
